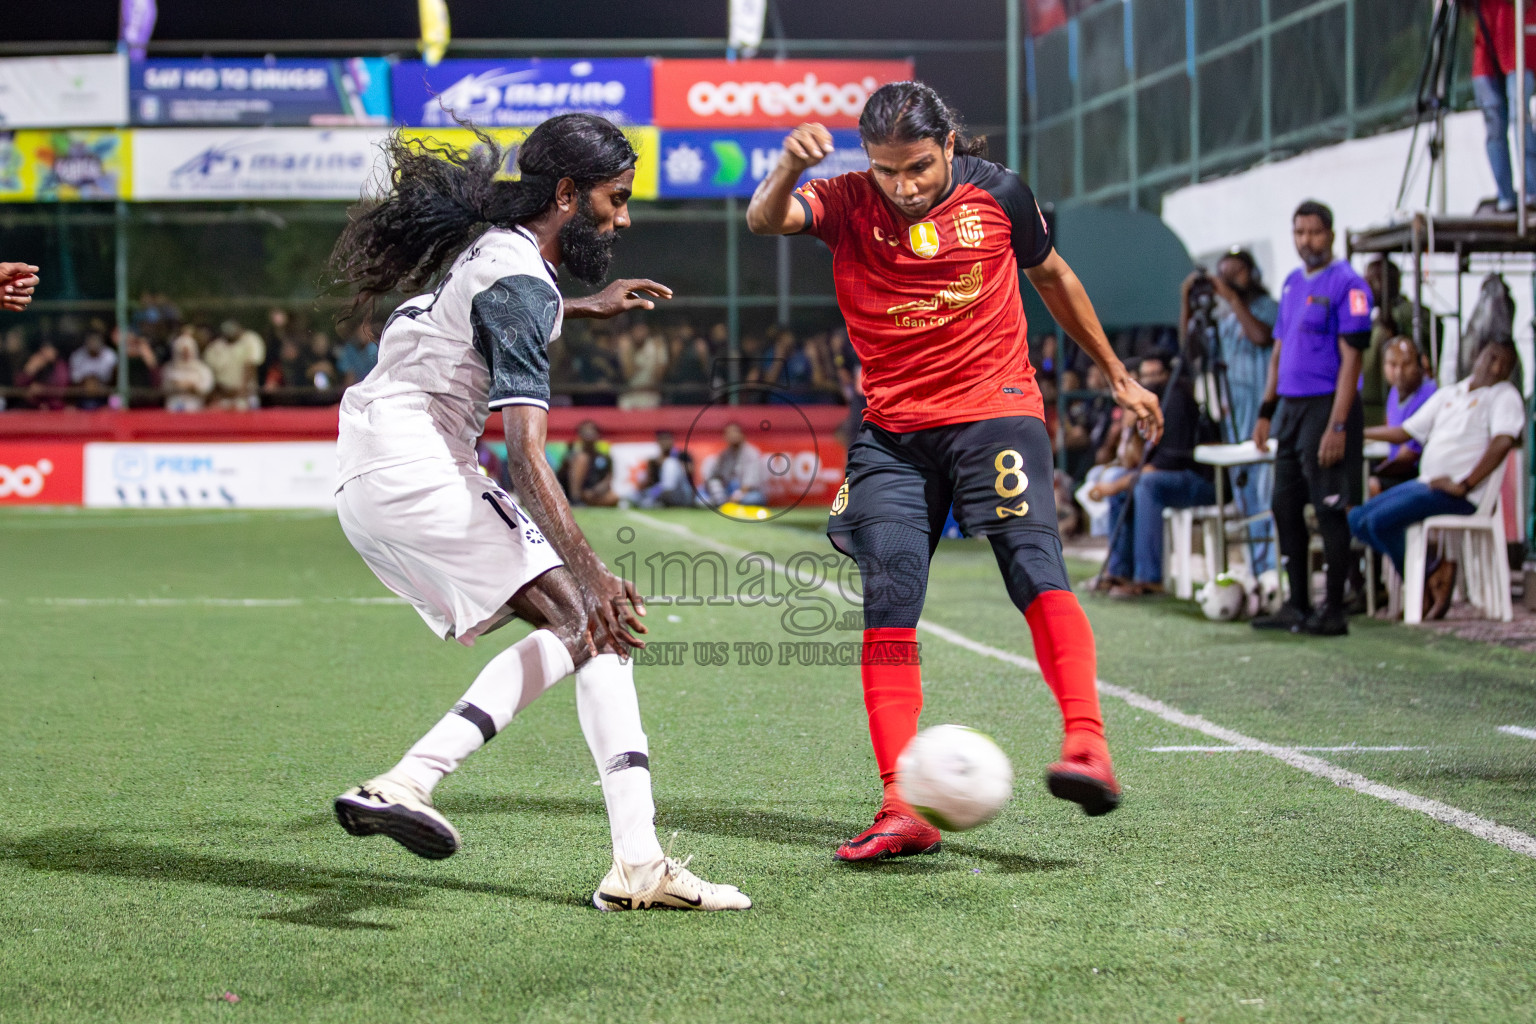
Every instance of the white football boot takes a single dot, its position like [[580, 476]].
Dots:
[[393, 806], [671, 885]]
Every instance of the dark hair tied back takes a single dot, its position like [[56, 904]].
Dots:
[[910, 112], [434, 199]]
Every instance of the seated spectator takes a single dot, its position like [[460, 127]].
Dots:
[[1113, 475], [287, 369], [186, 380], [595, 366], [234, 357], [44, 374], [320, 365], [643, 354], [1170, 479], [143, 362], [737, 473], [669, 476], [358, 356], [13, 356], [93, 367], [1409, 390], [587, 471], [1466, 430], [688, 365]]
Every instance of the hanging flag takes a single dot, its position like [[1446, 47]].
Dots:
[[746, 33], [136, 25], [434, 30]]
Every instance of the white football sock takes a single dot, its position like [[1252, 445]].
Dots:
[[609, 712], [509, 682]]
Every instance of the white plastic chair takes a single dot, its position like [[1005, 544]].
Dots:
[[1179, 543], [1484, 557]]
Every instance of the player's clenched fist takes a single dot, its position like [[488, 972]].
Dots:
[[17, 280], [807, 146]]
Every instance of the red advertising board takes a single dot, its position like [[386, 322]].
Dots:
[[41, 473], [767, 93]]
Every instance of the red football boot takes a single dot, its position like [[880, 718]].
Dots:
[[897, 832], [1084, 775]]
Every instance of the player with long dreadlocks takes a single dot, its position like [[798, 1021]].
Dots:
[[927, 246], [449, 540]]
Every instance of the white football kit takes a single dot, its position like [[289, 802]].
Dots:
[[412, 499]]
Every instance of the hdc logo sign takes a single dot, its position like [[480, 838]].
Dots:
[[41, 474]]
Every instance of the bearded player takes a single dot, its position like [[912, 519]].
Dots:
[[927, 246], [414, 504]]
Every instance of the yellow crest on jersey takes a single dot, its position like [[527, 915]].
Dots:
[[924, 238], [841, 501]]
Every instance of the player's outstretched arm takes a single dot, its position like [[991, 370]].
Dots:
[[619, 297], [17, 281], [772, 211], [612, 603], [1068, 301]]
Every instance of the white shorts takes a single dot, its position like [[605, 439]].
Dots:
[[447, 539]]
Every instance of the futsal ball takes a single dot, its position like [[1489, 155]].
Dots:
[[1223, 598], [955, 777]]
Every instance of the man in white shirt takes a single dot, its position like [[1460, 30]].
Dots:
[[1466, 430]]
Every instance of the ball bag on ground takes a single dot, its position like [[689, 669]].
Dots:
[[955, 777]]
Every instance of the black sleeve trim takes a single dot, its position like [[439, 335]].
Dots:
[[1031, 240], [1360, 340], [512, 321], [810, 217]]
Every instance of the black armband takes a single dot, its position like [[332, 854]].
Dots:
[[1358, 340], [1267, 410]]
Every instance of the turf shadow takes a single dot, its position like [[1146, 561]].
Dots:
[[733, 821], [1006, 863], [335, 896]]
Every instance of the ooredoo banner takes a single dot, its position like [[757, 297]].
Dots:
[[64, 92], [767, 93], [298, 474], [40, 473]]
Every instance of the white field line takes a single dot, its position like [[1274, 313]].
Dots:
[[1350, 749], [1482, 828], [1519, 730]]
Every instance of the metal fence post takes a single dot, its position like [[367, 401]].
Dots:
[[120, 276]]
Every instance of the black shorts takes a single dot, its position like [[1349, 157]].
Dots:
[[1299, 427], [996, 474]]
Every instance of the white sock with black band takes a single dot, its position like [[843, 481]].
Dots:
[[609, 711], [509, 682]]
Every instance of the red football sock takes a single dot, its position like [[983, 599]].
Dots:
[[893, 696], [1064, 648]]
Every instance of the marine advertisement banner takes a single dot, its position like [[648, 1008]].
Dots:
[[255, 163], [516, 93], [274, 91]]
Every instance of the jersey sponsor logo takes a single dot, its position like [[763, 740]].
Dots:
[[881, 236], [1359, 305], [963, 291], [924, 238], [968, 229], [840, 503]]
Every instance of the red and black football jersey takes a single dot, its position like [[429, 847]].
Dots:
[[933, 307]]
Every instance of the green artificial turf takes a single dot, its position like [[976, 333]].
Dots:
[[183, 694]]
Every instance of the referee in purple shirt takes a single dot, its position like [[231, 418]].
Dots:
[[1323, 327]]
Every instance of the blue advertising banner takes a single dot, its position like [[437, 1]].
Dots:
[[521, 93], [714, 165], [275, 91]]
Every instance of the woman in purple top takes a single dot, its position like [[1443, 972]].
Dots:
[[1404, 371]]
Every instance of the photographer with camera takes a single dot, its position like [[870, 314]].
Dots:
[[1236, 304]]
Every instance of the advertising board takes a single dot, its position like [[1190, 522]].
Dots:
[[40, 473], [63, 166], [767, 93], [710, 165], [512, 93], [294, 474], [255, 163], [274, 91], [64, 92]]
